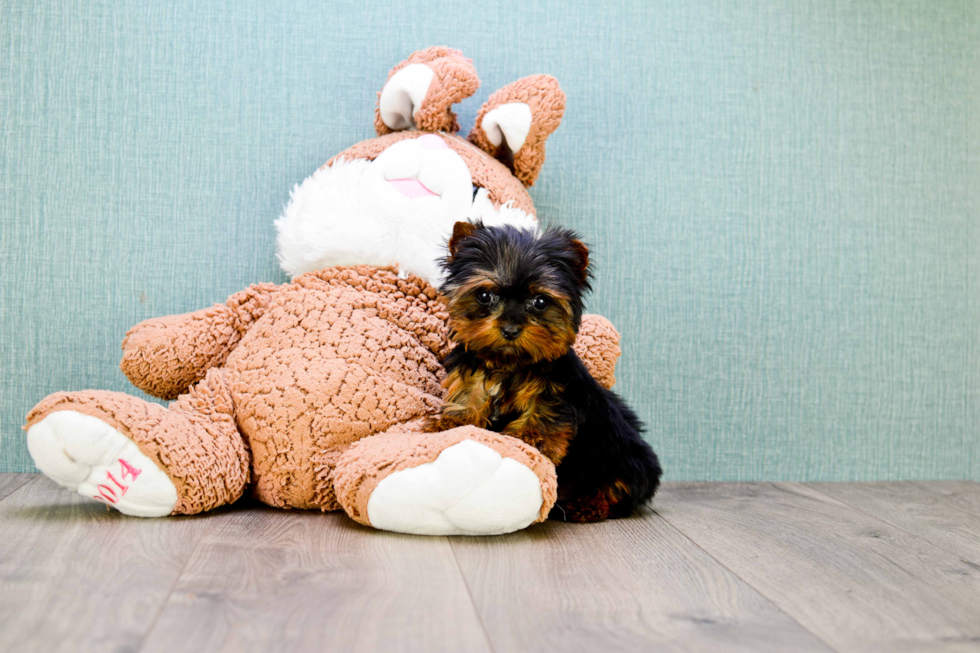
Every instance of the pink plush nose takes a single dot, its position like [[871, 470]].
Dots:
[[432, 142]]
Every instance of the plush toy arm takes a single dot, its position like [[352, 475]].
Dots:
[[597, 345], [465, 481], [165, 356]]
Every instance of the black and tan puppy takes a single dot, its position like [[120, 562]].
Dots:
[[515, 304]]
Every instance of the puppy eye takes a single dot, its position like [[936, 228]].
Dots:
[[485, 297], [540, 302], [476, 189]]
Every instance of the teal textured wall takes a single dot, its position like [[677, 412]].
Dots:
[[783, 198]]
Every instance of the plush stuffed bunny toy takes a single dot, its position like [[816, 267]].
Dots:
[[310, 394]]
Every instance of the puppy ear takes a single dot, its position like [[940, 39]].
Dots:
[[581, 267], [461, 231], [421, 90], [516, 121]]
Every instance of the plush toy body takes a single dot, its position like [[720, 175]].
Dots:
[[310, 394]]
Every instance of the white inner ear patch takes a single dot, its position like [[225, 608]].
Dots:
[[403, 94], [511, 121]]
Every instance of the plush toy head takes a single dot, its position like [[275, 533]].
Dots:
[[393, 200]]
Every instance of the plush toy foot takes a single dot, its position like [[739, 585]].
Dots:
[[465, 481], [141, 458], [86, 455]]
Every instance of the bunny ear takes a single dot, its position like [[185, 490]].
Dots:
[[516, 121], [421, 91]]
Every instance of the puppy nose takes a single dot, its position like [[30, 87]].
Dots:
[[510, 332]]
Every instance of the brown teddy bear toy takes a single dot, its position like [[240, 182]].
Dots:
[[310, 394]]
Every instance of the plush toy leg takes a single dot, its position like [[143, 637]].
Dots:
[[465, 481], [140, 458]]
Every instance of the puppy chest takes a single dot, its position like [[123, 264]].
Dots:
[[518, 397]]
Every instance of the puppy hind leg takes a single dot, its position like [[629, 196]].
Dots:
[[582, 509], [619, 498]]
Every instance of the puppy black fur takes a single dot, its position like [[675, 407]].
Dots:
[[515, 302]]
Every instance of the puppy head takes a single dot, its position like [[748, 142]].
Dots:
[[513, 293]]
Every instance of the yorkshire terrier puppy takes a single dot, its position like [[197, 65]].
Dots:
[[515, 304]]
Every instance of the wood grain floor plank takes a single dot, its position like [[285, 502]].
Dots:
[[623, 585], [76, 577], [11, 482], [271, 580], [859, 583], [912, 507], [964, 495]]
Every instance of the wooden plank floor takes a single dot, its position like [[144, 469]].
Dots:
[[713, 567]]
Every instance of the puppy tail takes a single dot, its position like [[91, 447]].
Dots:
[[638, 476]]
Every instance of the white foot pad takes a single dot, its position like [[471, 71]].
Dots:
[[470, 489], [86, 455]]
